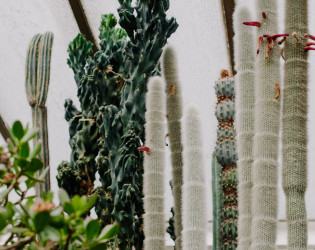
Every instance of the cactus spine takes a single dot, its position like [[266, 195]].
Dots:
[[174, 114], [154, 162], [266, 139], [244, 101], [225, 152], [217, 201], [194, 210], [294, 128], [37, 82]]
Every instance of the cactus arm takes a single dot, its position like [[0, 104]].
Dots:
[[266, 139], [37, 83], [294, 124], [194, 207], [174, 114], [244, 101], [154, 162]]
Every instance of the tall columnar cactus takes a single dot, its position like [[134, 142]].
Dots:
[[194, 210], [244, 121], [154, 163], [294, 128], [225, 152], [37, 82], [216, 201], [266, 139], [174, 115], [105, 135]]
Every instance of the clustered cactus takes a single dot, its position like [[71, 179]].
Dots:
[[37, 72], [106, 134], [225, 164]]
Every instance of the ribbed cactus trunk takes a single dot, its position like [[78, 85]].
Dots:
[[244, 121], [154, 163], [266, 139], [216, 201], [225, 152], [174, 114], [37, 82], [194, 207], [294, 128]]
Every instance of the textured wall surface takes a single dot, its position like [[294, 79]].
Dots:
[[199, 43]]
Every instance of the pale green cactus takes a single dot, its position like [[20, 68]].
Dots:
[[266, 139], [294, 123], [244, 121], [154, 163], [193, 193], [174, 114], [37, 73]]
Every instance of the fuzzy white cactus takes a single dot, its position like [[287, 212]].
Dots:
[[174, 114], [245, 99], [193, 192], [154, 163]]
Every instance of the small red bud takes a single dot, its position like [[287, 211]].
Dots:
[[145, 149], [257, 24], [264, 15]]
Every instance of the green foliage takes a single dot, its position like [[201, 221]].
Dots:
[[41, 224], [105, 135]]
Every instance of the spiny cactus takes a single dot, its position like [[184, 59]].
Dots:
[[37, 82], [225, 153], [174, 114], [294, 123], [266, 139], [154, 163], [194, 210], [216, 201], [110, 127], [244, 121]]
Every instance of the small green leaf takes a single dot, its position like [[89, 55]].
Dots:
[[92, 229], [3, 217], [18, 230], [109, 231], [63, 196], [4, 194], [22, 163], [36, 164], [99, 246], [17, 130], [68, 208], [90, 203], [41, 219], [76, 202], [24, 150], [36, 150], [29, 135]]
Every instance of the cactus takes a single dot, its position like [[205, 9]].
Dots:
[[105, 135], [244, 121], [174, 114], [193, 193], [154, 162], [266, 139], [37, 82], [226, 157], [217, 201], [294, 128]]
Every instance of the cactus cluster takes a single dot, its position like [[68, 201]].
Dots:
[[225, 208], [37, 71], [106, 134]]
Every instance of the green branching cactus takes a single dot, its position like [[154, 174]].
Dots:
[[217, 201], [244, 121], [294, 128], [194, 185], [110, 126], [174, 115], [225, 153], [267, 122], [37, 83], [154, 163]]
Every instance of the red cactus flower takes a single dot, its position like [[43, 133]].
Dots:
[[309, 36], [308, 48], [145, 149], [257, 24]]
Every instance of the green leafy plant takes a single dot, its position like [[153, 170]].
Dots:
[[40, 224]]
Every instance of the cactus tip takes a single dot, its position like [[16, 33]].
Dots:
[[224, 73]]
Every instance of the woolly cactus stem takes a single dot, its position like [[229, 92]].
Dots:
[[174, 114], [244, 101], [294, 129], [153, 179], [266, 139], [194, 211]]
